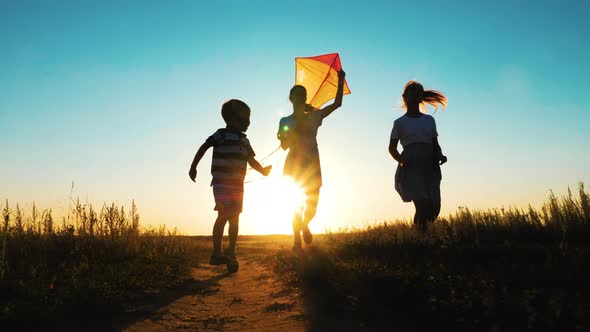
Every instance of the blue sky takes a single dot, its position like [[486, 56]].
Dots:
[[117, 96]]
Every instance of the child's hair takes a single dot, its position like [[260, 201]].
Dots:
[[415, 91], [296, 87], [231, 109], [308, 108]]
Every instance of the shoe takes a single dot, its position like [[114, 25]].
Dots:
[[232, 263], [307, 237], [218, 259], [232, 266]]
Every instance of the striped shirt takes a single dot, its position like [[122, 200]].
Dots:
[[231, 151]]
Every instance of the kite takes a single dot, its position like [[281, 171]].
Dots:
[[319, 76]]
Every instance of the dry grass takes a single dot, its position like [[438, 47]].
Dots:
[[99, 259], [499, 269]]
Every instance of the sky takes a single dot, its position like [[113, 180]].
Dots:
[[117, 96]]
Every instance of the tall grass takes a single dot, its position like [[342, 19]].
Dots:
[[93, 258], [498, 269], [559, 220]]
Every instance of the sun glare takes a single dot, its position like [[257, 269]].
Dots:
[[269, 204]]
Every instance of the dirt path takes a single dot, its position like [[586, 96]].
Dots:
[[249, 300]]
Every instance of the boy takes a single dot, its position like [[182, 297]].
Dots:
[[231, 152]]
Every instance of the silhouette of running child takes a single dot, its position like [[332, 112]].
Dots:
[[418, 174], [231, 152], [298, 133]]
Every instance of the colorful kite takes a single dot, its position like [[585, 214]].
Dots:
[[319, 76]]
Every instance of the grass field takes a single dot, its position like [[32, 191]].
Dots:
[[497, 270], [88, 266]]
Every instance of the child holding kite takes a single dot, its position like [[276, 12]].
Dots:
[[418, 173], [297, 132], [231, 152]]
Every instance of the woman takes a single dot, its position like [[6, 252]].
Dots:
[[418, 175], [298, 133]]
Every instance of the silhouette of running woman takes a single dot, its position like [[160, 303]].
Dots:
[[298, 133], [418, 175]]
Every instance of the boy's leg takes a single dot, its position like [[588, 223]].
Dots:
[[233, 233], [218, 228], [217, 257], [230, 252]]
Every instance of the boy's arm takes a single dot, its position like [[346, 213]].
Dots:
[[256, 166], [338, 100], [441, 159], [192, 173]]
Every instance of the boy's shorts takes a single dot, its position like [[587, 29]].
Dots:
[[228, 200]]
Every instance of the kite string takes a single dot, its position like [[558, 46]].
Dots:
[[261, 161]]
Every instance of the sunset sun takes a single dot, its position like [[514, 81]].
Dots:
[[269, 203]]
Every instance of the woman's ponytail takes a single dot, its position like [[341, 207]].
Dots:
[[434, 98], [414, 93]]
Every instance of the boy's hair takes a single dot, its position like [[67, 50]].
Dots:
[[424, 97], [232, 108]]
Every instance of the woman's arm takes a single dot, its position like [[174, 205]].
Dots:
[[338, 100], [394, 153], [441, 159]]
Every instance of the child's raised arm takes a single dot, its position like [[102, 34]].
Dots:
[[338, 100], [192, 172], [256, 165]]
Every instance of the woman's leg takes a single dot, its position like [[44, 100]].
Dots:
[[426, 212], [436, 202], [297, 222], [422, 213], [311, 205], [435, 210]]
